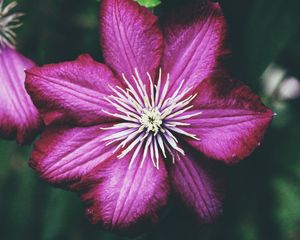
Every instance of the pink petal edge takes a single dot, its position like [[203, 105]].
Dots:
[[233, 120], [72, 92], [199, 183], [63, 155], [19, 119], [194, 42], [122, 198]]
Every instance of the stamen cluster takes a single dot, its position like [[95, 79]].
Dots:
[[151, 123], [151, 120], [8, 22]]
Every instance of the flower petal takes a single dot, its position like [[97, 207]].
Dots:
[[122, 198], [63, 155], [194, 38], [130, 38], [118, 196], [232, 123], [199, 183], [18, 116], [71, 92]]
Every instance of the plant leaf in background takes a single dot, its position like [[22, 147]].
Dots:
[[261, 30], [272, 32], [149, 3]]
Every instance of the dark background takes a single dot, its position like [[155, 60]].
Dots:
[[263, 191]]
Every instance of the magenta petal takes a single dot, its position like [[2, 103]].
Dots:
[[121, 198], [71, 92], [232, 123], [18, 116], [62, 155], [194, 36], [198, 182], [130, 38]]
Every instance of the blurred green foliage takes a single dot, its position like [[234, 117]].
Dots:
[[263, 191]]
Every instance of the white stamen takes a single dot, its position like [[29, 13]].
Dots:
[[151, 122], [127, 118], [124, 104], [171, 135], [121, 109], [151, 89], [149, 138], [161, 145], [178, 130], [131, 89], [121, 125], [164, 92], [174, 124], [152, 152], [179, 112], [130, 147], [129, 138], [187, 116], [143, 89], [119, 134], [157, 87], [135, 154], [173, 144], [156, 153], [8, 22]]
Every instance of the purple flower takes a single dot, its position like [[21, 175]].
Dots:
[[126, 134], [19, 119]]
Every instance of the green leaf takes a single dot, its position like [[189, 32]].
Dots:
[[269, 28], [287, 207], [21, 195], [259, 32], [58, 214], [6, 151], [149, 3]]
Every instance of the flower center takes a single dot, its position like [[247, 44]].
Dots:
[[152, 120]]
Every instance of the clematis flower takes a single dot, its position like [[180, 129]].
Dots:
[[19, 119], [154, 120]]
